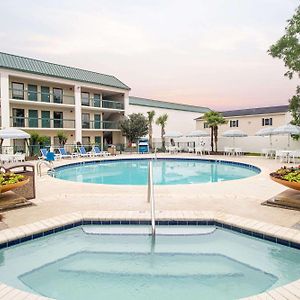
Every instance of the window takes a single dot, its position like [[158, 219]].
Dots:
[[85, 99], [33, 118], [58, 119], [205, 125], [234, 123], [32, 92], [98, 140], [85, 120], [57, 95], [17, 90], [45, 119], [97, 120], [267, 121], [45, 94], [97, 100], [18, 117]]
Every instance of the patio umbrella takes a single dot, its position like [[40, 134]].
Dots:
[[288, 130], [266, 132], [13, 133], [173, 134], [234, 133], [198, 134]]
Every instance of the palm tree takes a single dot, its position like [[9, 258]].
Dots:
[[151, 115], [213, 120], [162, 121]]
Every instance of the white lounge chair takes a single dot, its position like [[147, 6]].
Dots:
[[97, 152], [63, 153], [83, 153]]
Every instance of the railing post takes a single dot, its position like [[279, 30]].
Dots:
[[151, 196]]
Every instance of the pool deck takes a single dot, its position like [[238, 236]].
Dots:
[[236, 202], [239, 197]]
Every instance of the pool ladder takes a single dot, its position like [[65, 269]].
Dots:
[[150, 197], [49, 164]]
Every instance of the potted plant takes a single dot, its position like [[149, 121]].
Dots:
[[287, 176], [9, 181]]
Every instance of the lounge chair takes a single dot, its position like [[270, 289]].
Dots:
[[83, 153], [63, 153], [44, 152], [97, 152]]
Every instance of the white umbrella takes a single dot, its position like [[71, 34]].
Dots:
[[234, 133], [197, 133], [173, 134], [13, 133], [288, 130], [266, 132]]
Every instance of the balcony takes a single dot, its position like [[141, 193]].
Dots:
[[95, 102], [102, 125], [43, 123], [41, 97]]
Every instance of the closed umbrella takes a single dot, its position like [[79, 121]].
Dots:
[[288, 130], [234, 133], [266, 132]]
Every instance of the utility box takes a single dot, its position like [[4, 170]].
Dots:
[[143, 146]]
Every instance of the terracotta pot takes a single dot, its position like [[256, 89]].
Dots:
[[8, 187], [291, 185]]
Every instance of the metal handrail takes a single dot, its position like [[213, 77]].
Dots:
[[39, 164], [150, 197]]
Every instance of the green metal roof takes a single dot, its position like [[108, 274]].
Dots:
[[34, 66], [167, 105]]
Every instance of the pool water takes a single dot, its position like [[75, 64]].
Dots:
[[214, 264], [165, 171]]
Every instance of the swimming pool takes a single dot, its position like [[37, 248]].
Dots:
[[214, 263], [165, 171]]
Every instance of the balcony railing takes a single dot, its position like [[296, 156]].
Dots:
[[93, 102], [100, 125], [18, 94], [27, 122]]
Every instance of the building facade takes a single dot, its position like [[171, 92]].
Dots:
[[251, 121], [46, 98], [43, 97]]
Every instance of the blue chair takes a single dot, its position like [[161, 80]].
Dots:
[[44, 152], [63, 153], [98, 152], [83, 153], [50, 157]]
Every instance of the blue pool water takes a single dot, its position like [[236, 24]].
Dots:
[[165, 171], [219, 264]]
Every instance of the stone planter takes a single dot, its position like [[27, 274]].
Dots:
[[289, 184], [8, 187]]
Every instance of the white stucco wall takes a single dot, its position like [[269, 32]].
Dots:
[[183, 121]]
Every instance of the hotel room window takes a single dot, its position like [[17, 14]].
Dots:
[[205, 125], [234, 123], [267, 121], [17, 90]]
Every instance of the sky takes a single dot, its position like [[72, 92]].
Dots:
[[200, 52]]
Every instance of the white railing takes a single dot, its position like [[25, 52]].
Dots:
[[150, 197]]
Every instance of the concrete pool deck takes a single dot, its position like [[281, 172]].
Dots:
[[238, 197]]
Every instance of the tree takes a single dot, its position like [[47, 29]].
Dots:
[[287, 48], [134, 127], [62, 137], [151, 115], [162, 121], [214, 119]]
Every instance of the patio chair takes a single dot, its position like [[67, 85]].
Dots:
[[238, 151], [97, 152], [63, 153], [83, 153], [282, 155], [228, 151], [191, 149], [19, 157], [44, 152], [199, 150]]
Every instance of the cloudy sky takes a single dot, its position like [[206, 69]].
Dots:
[[211, 53]]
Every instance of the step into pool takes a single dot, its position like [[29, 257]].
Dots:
[[125, 262]]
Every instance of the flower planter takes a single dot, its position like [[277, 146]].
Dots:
[[289, 184], [8, 187]]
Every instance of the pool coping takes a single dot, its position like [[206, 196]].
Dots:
[[104, 160], [278, 234]]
